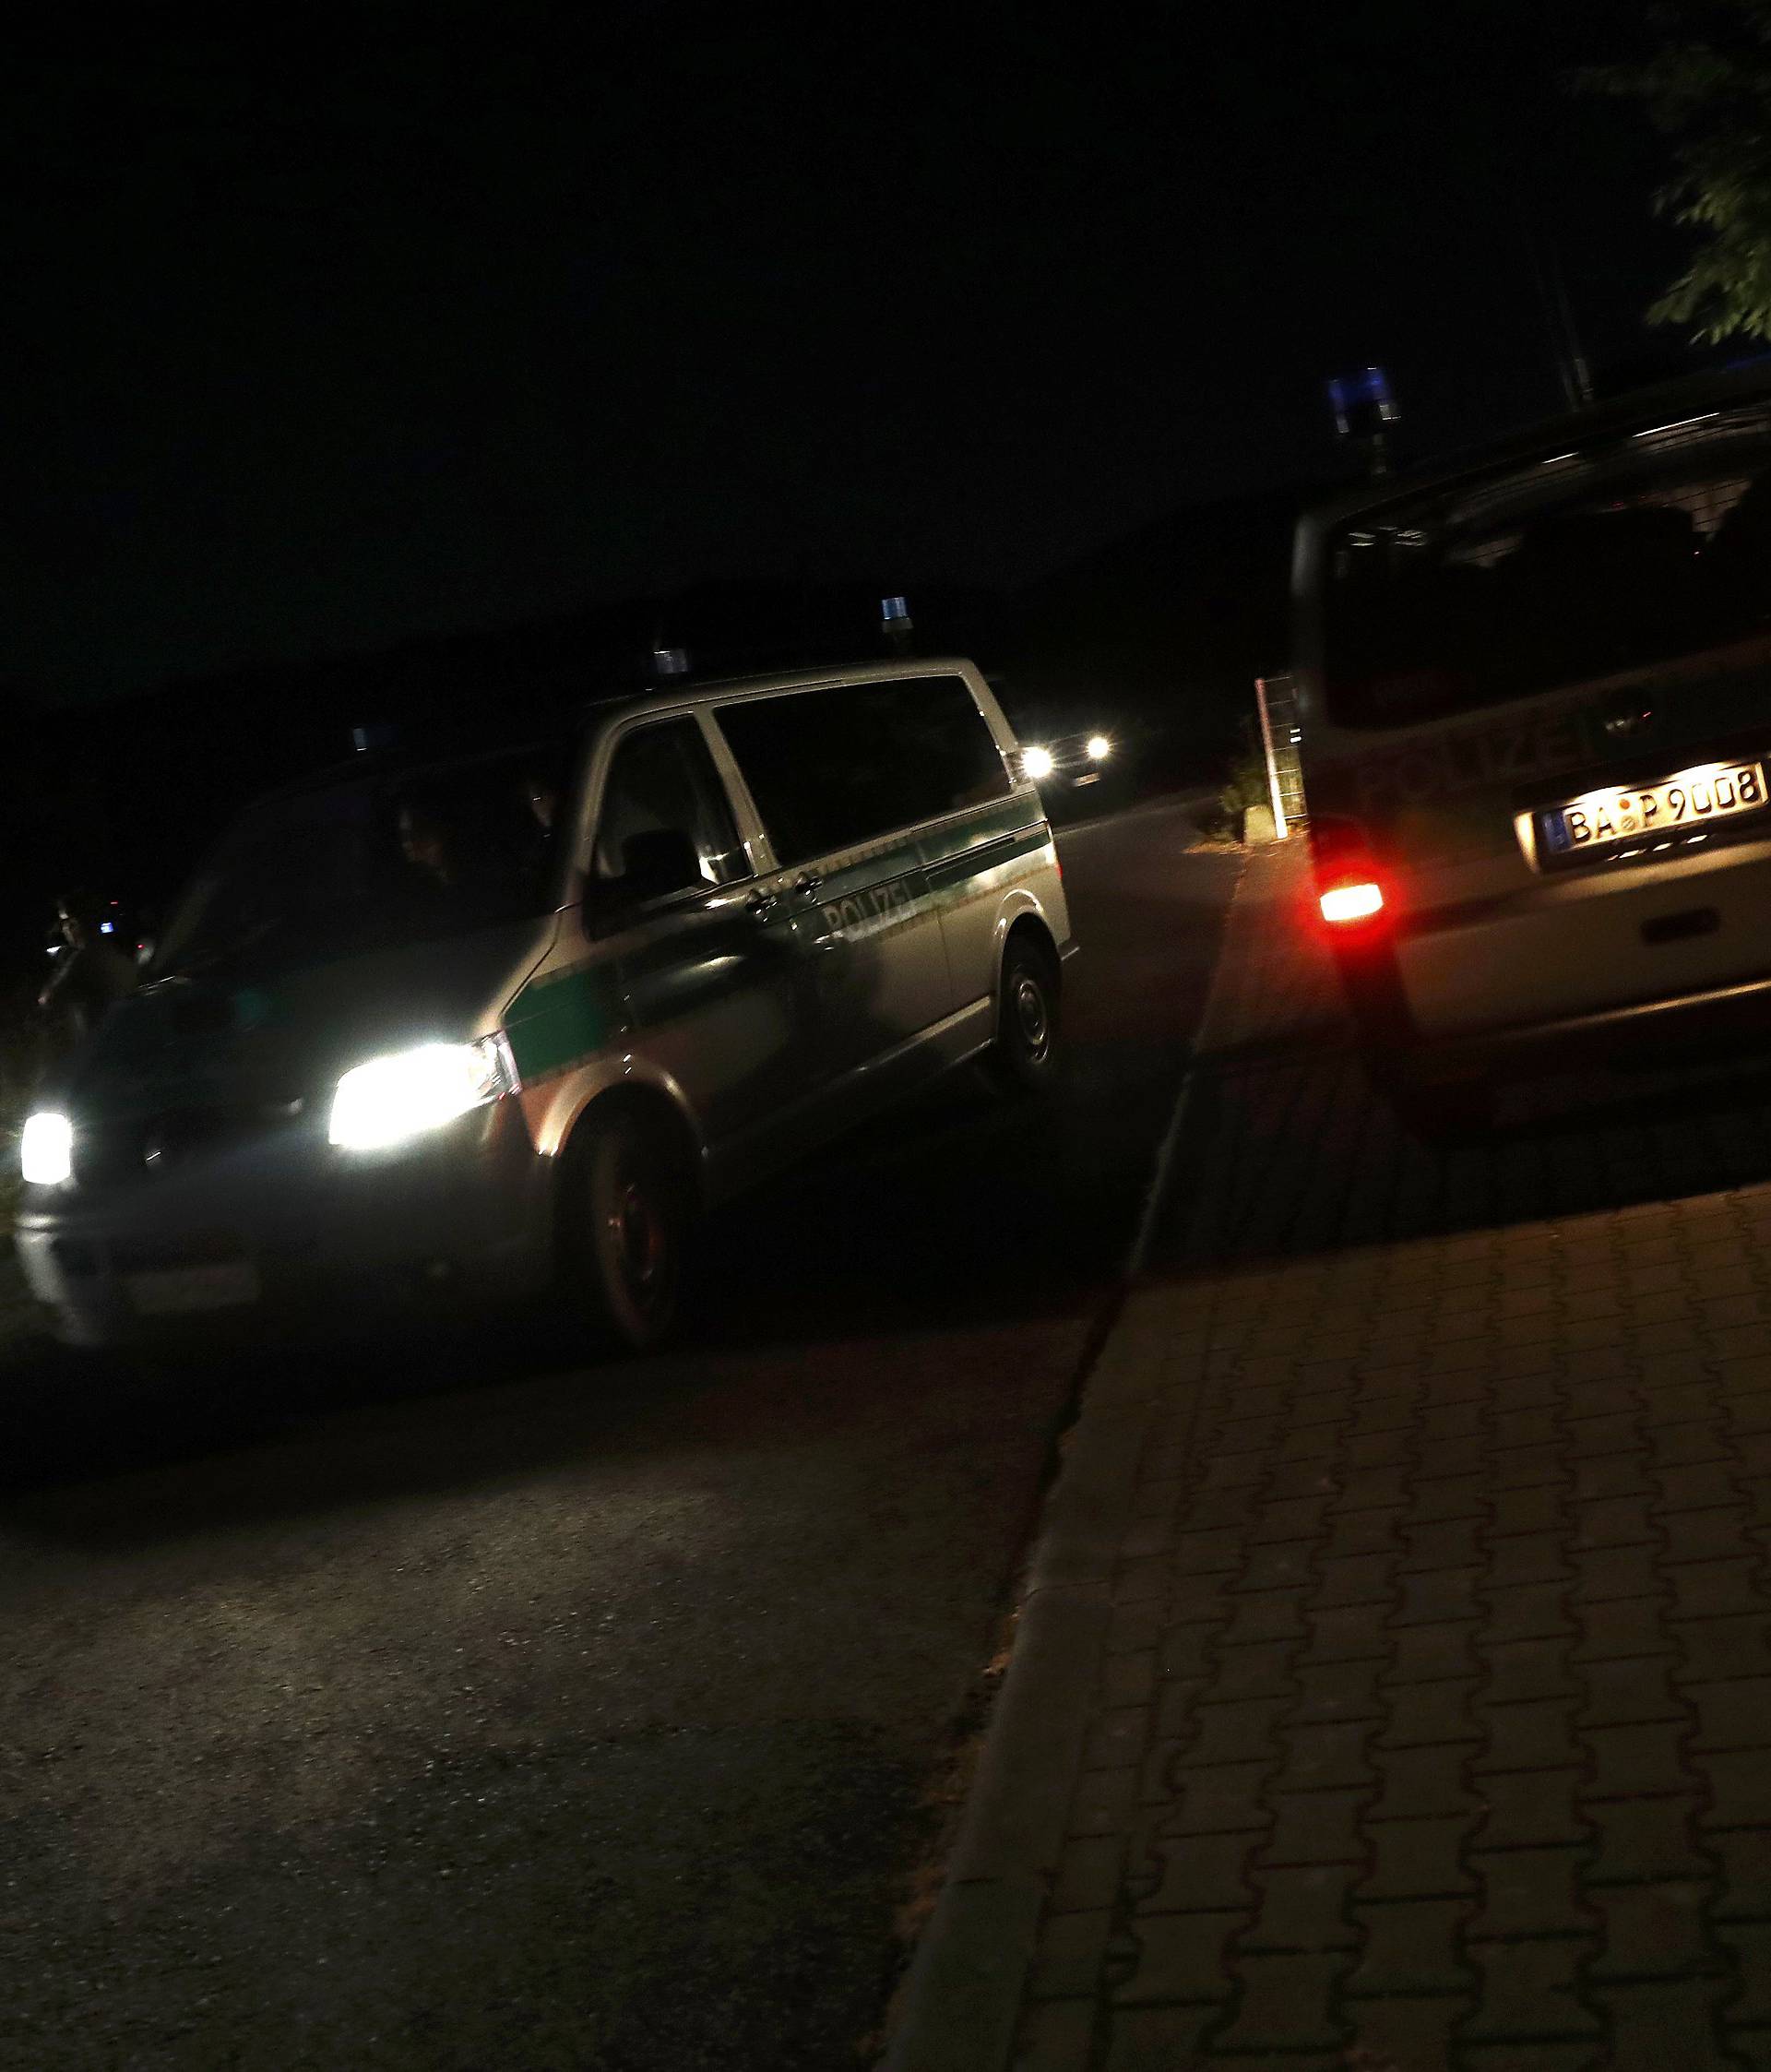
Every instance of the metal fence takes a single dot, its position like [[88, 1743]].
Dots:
[[1275, 699]]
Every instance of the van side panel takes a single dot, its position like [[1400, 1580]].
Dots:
[[973, 867], [869, 920]]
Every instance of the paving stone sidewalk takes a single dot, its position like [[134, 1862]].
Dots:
[[1417, 1599]]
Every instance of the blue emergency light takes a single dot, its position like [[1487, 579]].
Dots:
[[1363, 403]]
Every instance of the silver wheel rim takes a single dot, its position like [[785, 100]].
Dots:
[[638, 1243], [1030, 1016]]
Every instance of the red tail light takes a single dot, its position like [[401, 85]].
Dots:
[[1358, 901], [1350, 889]]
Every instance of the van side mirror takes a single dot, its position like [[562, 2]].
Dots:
[[658, 862], [655, 864]]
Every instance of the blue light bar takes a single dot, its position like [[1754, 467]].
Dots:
[[1362, 402]]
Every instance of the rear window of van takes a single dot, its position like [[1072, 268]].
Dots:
[[1579, 566]]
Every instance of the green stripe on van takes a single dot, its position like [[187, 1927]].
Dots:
[[1012, 816], [561, 1017], [939, 860], [902, 861], [984, 851]]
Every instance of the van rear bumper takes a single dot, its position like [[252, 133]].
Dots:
[[1639, 1032]]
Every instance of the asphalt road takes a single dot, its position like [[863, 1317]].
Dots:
[[458, 1708]]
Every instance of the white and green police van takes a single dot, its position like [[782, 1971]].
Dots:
[[505, 1022], [1536, 697]]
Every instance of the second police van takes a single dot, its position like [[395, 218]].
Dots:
[[1536, 697], [492, 1024]]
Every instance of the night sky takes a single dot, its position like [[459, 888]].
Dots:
[[478, 314]]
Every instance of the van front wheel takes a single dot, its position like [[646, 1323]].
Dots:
[[628, 1228], [1023, 1059]]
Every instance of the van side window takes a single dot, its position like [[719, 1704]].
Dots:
[[830, 769], [663, 782]]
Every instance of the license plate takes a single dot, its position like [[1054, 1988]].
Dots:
[[178, 1290], [1654, 817]]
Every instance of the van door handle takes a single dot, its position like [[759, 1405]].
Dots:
[[808, 882], [760, 905]]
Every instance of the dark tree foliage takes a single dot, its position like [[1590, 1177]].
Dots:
[[1708, 89]]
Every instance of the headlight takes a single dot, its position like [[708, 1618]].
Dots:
[[47, 1149], [391, 1099], [1037, 763], [1099, 748]]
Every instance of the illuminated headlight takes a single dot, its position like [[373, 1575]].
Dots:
[[1099, 748], [47, 1149], [1037, 763], [391, 1099]]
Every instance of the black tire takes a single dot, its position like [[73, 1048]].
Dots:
[[1023, 1057], [1457, 1114], [627, 1220]]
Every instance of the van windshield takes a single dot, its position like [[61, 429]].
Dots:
[[1580, 566], [372, 862]]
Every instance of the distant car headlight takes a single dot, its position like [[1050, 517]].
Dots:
[[1037, 763], [391, 1099], [1099, 748], [46, 1149]]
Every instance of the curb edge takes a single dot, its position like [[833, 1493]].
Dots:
[[962, 1996], [958, 2006]]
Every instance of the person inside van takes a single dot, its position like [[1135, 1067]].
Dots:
[[542, 791], [426, 844], [543, 795], [91, 975], [474, 851]]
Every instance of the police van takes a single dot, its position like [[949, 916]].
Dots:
[[502, 1023], [1535, 687]]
